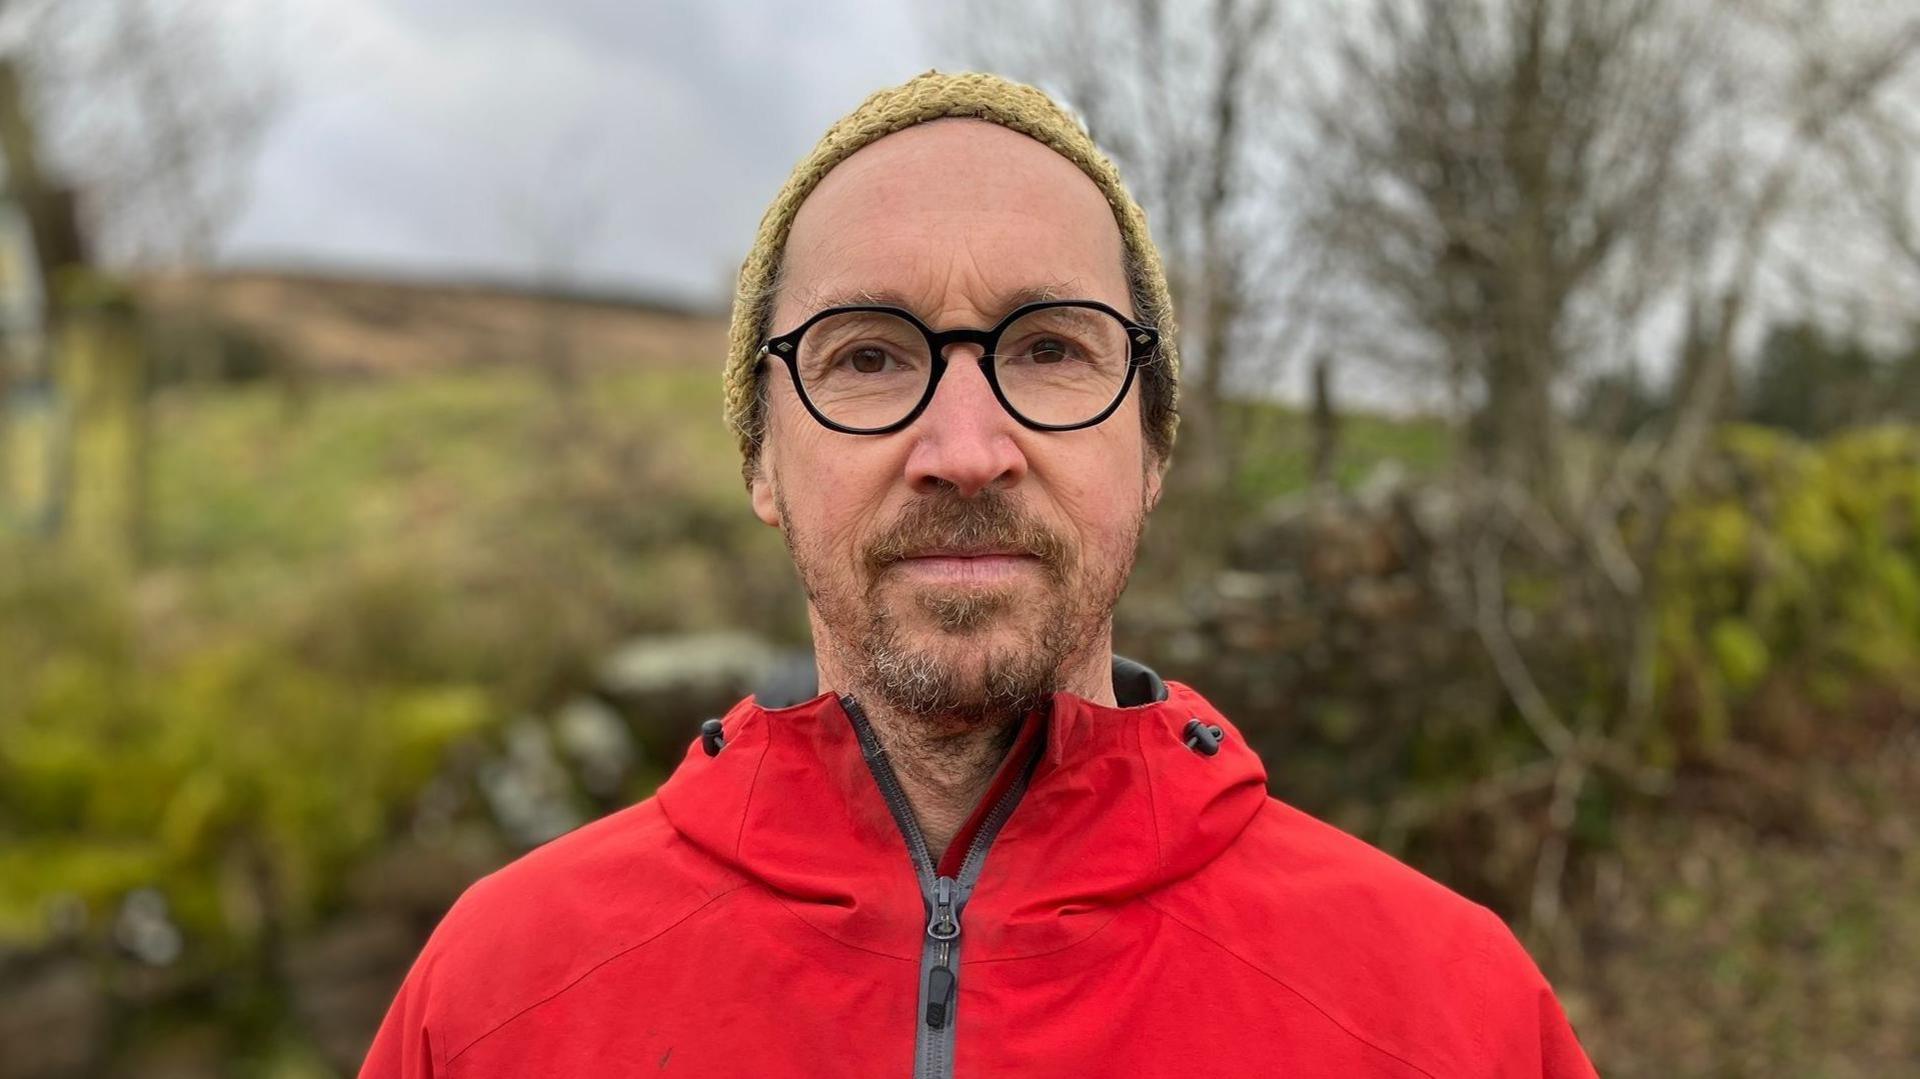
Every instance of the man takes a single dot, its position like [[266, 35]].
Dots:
[[989, 847]]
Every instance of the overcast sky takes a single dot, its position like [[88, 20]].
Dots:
[[626, 145], [620, 143]]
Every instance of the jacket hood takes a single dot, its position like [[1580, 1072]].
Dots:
[[1116, 806]]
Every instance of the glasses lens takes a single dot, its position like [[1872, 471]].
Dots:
[[864, 369], [1062, 365]]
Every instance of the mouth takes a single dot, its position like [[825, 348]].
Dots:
[[967, 566]]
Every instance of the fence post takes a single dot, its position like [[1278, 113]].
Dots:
[[100, 371]]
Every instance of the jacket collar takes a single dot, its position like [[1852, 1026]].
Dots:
[[1116, 806]]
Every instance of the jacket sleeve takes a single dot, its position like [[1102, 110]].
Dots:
[[403, 1048], [1526, 1034]]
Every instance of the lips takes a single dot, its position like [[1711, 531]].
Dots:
[[972, 567]]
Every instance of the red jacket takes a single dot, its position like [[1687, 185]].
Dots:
[[1123, 902]]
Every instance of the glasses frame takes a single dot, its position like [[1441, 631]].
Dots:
[[1143, 343]]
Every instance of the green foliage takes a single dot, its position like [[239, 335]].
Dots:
[[1813, 383], [1780, 615], [1795, 567], [346, 590], [337, 593], [232, 767]]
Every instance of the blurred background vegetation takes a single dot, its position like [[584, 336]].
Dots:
[[1547, 510]]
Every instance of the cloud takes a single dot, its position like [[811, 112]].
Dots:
[[631, 144]]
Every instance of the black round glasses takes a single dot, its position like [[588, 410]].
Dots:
[[1057, 365]]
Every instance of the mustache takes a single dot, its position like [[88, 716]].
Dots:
[[990, 520]]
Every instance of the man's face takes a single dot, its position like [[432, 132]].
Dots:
[[963, 565]]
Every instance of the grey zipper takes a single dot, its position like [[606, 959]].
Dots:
[[945, 898]]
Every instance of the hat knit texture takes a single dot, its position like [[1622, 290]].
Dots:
[[934, 96]]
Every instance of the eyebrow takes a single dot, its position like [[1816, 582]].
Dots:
[[887, 297]]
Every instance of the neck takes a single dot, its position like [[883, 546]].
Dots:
[[945, 765]]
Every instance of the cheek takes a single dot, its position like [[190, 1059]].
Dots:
[[1098, 488], [833, 488]]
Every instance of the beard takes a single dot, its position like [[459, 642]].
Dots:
[[962, 671]]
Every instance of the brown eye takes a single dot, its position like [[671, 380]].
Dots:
[[868, 361]]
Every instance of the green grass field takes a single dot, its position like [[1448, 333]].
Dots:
[[1277, 457], [243, 473], [246, 473], [254, 492]]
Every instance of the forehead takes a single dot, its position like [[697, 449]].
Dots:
[[948, 217]]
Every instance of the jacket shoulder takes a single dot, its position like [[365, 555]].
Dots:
[[544, 922], [1393, 957]]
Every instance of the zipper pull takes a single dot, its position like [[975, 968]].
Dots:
[[940, 985], [943, 926]]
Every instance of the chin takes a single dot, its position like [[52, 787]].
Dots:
[[998, 664], [963, 681], [969, 646], [975, 614]]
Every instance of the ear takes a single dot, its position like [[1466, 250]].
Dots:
[[766, 503], [1154, 485]]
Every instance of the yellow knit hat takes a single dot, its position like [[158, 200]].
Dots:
[[935, 96]]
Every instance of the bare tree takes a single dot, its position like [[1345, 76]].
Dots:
[[1505, 198], [1888, 175], [1182, 96], [1485, 171], [152, 112], [47, 206], [1528, 189], [1879, 162], [141, 108]]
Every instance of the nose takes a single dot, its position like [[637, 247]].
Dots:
[[964, 440]]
